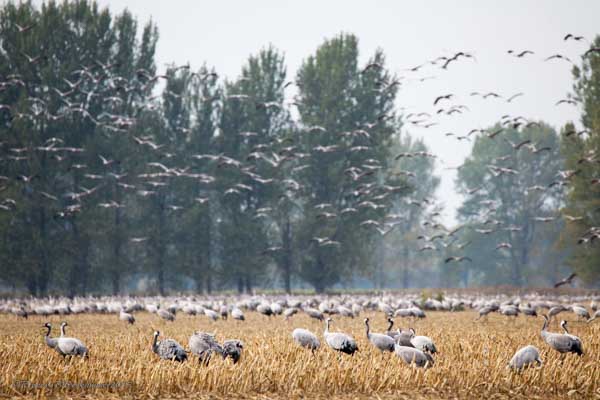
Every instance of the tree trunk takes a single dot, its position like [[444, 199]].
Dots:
[[319, 287], [84, 269], [44, 275], [31, 285], [198, 275], [319, 283], [208, 284], [115, 281], [208, 269], [248, 285], [117, 244], [199, 285], [287, 256], [72, 281], [160, 276], [161, 282], [405, 275]]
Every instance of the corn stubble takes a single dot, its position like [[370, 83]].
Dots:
[[471, 363]]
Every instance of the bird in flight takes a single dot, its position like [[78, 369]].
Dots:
[[373, 65], [444, 97], [520, 54], [566, 280], [517, 146], [573, 37], [457, 259], [514, 96], [25, 28], [558, 57], [566, 101]]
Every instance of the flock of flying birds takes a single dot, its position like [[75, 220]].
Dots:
[[99, 81], [405, 343]]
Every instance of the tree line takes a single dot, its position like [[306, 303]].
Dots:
[[117, 178]]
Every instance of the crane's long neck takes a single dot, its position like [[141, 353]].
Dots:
[[62, 330], [154, 342], [545, 325], [391, 324], [326, 326], [564, 326], [367, 328], [51, 342]]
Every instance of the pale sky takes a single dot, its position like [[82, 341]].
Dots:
[[224, 33]]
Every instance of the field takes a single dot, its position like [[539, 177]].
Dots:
[[471, 362]]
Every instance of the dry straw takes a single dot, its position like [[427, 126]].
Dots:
[[472, 360]]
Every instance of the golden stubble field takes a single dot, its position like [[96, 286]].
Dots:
[[471, 362]]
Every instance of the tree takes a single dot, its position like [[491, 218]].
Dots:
[[59, 97], [511, 190], [580, 148], [252, 120], [347, 127], [408, 213]]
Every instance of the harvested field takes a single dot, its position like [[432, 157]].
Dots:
[[471, 363]]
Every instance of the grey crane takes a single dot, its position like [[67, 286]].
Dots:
[[224, 311], [404, 337], [339, 341], [127, 317], [288, 312], [345, 312], [596, 315], [581, 312], [232, 348], [50, 342], [314, 313], [525, 357], [20, 312], [379, 340], [563, 343], [528, 310], [574, 338], [276, 308], [166, 315], [204, 345], [423, 343], [265, 309], [417, 312], [556, 310], [306, 338], [410, 355], [509, 311], [403, 312], [236, 313], [168, 349], [484, 311], [211, 314], [68, 346]]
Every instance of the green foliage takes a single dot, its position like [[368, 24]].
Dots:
[[508, 189], [120, 178], [57, 66], [336, 101], [580, 148], [400, 245]]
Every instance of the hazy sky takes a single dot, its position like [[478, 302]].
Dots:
[[224, 33]]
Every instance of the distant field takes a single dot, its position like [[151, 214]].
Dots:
[[471, 362]]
